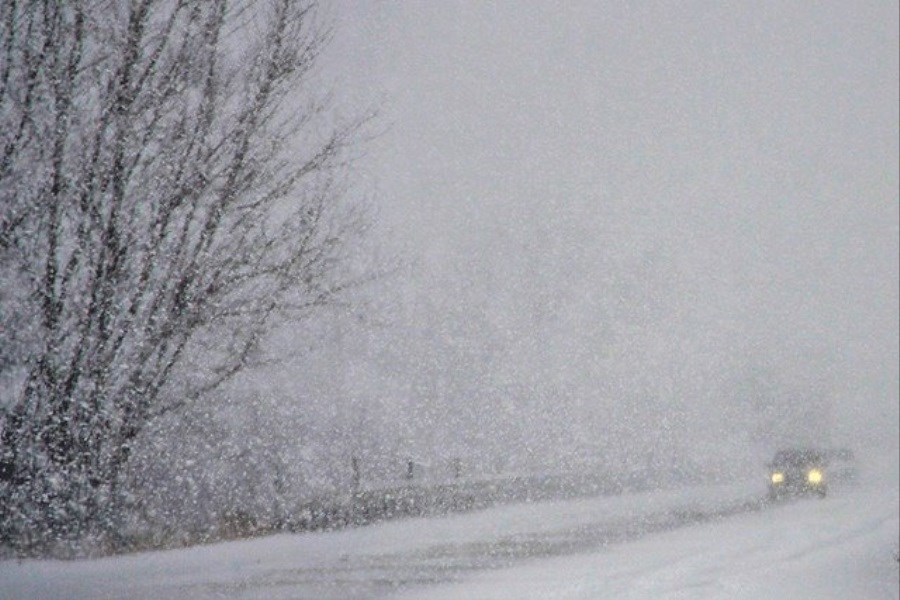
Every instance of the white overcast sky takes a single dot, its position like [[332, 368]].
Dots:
[[748, 150]]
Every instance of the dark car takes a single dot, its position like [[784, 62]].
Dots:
[[798, 471]]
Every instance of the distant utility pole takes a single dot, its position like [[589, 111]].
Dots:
[[457, 468], [355, 477]]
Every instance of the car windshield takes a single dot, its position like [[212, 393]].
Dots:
[[797, 458]]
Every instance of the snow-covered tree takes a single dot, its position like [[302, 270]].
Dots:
[[170, 185]]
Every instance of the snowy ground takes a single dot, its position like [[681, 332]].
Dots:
[[705, 542], [843, 547]]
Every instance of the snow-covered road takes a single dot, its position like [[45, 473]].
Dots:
[[843, 547], [704, 542]]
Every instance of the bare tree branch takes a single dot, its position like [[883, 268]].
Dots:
[[167, 199]]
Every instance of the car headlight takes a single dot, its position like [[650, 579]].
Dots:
[[777, 477], [814, 476]]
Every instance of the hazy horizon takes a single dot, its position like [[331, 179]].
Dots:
[[630, 211]]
